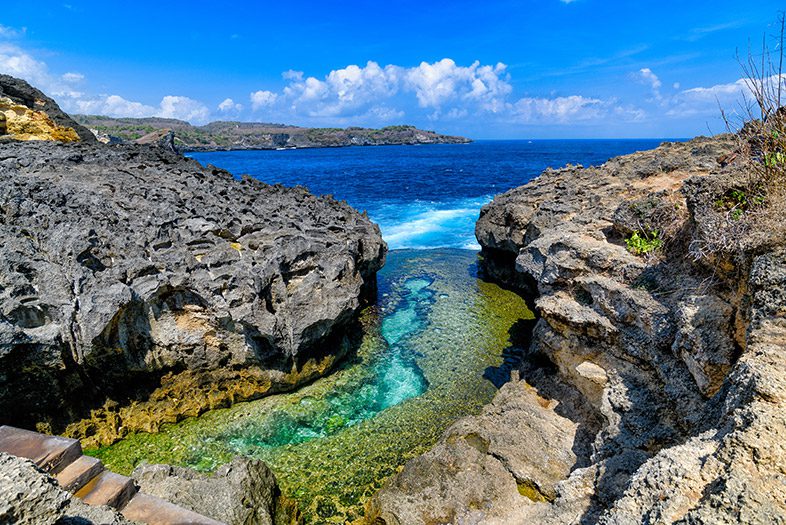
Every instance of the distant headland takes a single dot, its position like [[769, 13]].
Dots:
[[224, 136]]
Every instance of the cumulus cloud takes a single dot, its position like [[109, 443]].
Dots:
[[648, 77], [261, 99], [183, 108], [558, 110], [16, 62], [113, 106], [436, 86], [229, 105]]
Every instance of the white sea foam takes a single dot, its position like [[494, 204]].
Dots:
[[431, 225]]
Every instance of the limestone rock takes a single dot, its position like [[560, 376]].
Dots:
[[703, 340], [511, 455], [670, 372], [23, 123], [29, 496], [44, 116], [132, 272], [241, 492]]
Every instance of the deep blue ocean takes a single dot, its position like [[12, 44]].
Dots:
[[425, 196]]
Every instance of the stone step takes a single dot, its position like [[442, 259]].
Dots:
[[78, 473], [145, 508], [50, 453], [108, 488]]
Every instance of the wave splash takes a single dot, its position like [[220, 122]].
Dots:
[[424, 225]]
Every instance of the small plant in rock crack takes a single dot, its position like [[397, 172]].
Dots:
[[642, 243], [738, 201]]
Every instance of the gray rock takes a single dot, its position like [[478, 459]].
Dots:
[[703, 340], [242, 492], [121, 264], [672, 373], [30, 496]]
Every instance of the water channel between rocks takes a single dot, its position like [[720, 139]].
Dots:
[[432, 350]]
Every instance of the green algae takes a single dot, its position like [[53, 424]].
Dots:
[[429, 349]]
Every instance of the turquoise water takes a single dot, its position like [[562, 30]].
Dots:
[[391, 378], [429, 347]]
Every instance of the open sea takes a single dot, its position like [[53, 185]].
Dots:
[[425, 196]]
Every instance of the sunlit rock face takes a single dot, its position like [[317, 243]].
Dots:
[[28, 114], [21, 123]]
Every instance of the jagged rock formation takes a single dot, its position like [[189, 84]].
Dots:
[[27, 114], [240, 492], [31, 497], [664, 376], [133, 277], [220, 136]]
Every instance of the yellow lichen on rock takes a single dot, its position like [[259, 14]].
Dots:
[[22, 123]]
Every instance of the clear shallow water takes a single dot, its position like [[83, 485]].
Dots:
[[432, 351], [421, 196], [435, 347]]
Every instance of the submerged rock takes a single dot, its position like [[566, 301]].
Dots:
[[147, 287], [670, 372]]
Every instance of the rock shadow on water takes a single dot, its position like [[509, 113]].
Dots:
[[513, 355]]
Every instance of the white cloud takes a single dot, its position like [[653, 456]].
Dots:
[[351, 90], [646, 76], [708, 101], [72, 77], [183, 108], [229, 105], [17, 63], [261, 99], [558, 110], [10, 32], [442, 82], [436, 86], [112, 106]]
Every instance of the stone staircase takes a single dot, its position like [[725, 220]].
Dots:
[[87, 479]]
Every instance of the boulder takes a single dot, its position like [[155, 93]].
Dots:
[[241, 492]]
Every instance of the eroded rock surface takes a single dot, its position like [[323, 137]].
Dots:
[[241, 492], [127, 270], [31, 497], [670, 372]]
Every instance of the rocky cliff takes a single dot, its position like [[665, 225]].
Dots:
[[138, 287], [220, 136], [653, 388], [27, 114]]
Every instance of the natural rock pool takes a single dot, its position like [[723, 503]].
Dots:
[[433, 348]]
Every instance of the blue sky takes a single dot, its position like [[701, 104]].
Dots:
[[491, 69]]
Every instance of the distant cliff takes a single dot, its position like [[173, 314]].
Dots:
[[218, 136]]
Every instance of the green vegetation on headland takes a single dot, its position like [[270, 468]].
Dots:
[[218, 136]]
